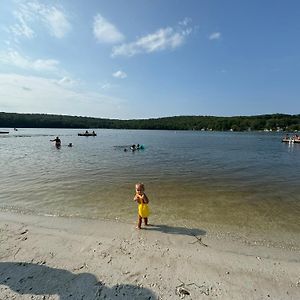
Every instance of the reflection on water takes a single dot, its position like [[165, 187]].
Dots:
[[248, 180]]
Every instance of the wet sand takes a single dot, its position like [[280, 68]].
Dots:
[[69, 258]]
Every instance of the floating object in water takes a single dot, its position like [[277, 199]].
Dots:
[[129, 147], [4, 132], [136, 147], [290, 140]]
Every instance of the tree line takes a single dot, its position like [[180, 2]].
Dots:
[[272, 122]]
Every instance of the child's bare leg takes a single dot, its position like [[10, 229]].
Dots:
[[139, 225], [146, 221]]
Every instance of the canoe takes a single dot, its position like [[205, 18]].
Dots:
[[87, 134]]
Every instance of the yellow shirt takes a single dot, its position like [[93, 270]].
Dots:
[[143, 208]]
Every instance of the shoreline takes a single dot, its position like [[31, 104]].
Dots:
[[244, 234], [54, 257]]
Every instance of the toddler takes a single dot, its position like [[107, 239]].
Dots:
[[142, 200]]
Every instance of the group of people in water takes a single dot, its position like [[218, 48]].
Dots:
[[135, 147]]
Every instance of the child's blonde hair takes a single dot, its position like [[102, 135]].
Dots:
[[140, 185]]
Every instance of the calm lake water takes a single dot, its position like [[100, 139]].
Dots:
[[249, 180]]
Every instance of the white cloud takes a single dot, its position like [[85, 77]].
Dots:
[[41, 95], [14, 58], [66, 81], [106, 32], [215, 36], [21, 28], [56, 21], [120, 74], [31, 14], [185, 22], [106, 86], [162, 39]]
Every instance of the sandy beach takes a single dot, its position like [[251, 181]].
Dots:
[[66, 258]]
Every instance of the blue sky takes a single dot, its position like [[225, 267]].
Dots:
[[143, 59]]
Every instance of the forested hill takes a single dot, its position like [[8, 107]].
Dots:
[[237, 123]]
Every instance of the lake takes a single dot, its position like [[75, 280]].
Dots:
[[192, 178]]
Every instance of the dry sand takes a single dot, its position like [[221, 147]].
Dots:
[[68, 258]]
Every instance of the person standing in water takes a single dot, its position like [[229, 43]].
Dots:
[[57, 142]]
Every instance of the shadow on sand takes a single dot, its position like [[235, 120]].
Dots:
[[33, 279], [176, 230]]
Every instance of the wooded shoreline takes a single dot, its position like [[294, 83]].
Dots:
[[270, 122]]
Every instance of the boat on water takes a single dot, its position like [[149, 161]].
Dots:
[[290, 140], [87, 133], [4, 132]]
